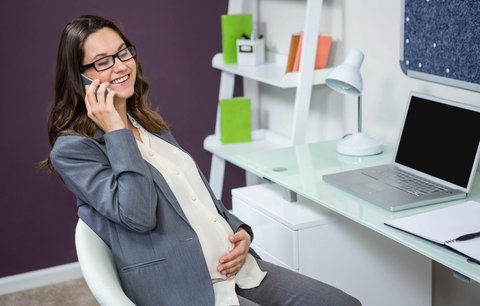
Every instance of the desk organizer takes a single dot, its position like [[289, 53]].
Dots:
[[250, 52]]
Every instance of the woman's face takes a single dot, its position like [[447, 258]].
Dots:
[[105, 43]]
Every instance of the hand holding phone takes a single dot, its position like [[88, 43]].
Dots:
[[107, 121]]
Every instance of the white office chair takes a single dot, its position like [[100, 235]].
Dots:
[[96, 263]]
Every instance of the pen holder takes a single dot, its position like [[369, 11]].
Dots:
[[250, 52]]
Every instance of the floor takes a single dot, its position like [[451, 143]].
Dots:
[[72, 293]]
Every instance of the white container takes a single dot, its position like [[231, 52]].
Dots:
[[250, 52]]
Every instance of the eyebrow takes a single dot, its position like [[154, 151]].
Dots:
[[102, 55]]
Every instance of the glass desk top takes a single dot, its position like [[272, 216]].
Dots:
[[300, 169]]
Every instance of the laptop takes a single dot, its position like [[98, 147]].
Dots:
[[435, 158]]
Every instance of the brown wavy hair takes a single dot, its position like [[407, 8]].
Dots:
[[68, 114]]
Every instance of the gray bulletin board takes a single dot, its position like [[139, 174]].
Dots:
[[440, 41]]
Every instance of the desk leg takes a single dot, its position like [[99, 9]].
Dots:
[[288, 195]]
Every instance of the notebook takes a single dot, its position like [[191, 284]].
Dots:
[[437, 150], [455, 227]]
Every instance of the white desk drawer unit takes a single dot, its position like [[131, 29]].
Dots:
[[315, 241], [276, 223]]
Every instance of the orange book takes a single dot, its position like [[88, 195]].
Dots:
[[324, 43], [292, 53]]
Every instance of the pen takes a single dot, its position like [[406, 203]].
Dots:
[[468, 236]]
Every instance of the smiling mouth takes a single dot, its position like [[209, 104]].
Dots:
[[120, 80]]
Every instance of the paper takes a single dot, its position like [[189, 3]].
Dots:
[[445, 225], [233, 27], [470, 248], [235, 120]]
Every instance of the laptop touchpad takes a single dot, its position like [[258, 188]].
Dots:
[[374, 187]]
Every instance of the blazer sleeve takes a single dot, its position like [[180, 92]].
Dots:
[[113, 178], [234, 222]]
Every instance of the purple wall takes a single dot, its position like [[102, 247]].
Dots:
[[175, 41]]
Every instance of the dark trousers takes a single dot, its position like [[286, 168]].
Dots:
[[283, 287]]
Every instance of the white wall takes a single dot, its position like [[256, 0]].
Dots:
[[372, 26]]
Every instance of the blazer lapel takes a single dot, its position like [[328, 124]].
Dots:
[[158, 177]]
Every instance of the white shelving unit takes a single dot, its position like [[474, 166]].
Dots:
[[271, 73]]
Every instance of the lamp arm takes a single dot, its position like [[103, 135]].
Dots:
[[359, 114]]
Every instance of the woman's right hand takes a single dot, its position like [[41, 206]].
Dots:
[[100, 107]]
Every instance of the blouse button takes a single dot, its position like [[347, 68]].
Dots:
[[151, 153], [194, 198], [214, 219]]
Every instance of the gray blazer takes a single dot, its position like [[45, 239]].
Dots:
[[128, 203]]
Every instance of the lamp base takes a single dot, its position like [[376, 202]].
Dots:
[[359, 144]]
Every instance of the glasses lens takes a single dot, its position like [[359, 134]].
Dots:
[[104, 63], [126, 53]]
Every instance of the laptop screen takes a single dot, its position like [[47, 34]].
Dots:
[[440, 138]]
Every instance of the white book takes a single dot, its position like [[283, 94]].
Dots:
[[456, 227]]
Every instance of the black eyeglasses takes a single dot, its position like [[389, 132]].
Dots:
[[107, 62]]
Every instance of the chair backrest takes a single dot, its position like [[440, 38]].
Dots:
[[98, 268]]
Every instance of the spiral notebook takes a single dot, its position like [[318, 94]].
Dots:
[[456, 227]]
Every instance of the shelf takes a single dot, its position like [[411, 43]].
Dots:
[[272, 72], [261, 140]]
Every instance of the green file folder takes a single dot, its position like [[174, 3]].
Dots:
[[235, 120], [233, 27]]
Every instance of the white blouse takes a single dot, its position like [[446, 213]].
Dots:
[[183, 178]]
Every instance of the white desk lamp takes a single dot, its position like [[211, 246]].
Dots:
[[347, 79]]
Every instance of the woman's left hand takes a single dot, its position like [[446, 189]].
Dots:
[[233, 261]]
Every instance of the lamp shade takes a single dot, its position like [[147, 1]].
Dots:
[[346, 78]]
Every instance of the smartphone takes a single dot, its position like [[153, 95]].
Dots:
[[87, 81]]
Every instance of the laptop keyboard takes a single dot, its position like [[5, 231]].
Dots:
[[407, 182]]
